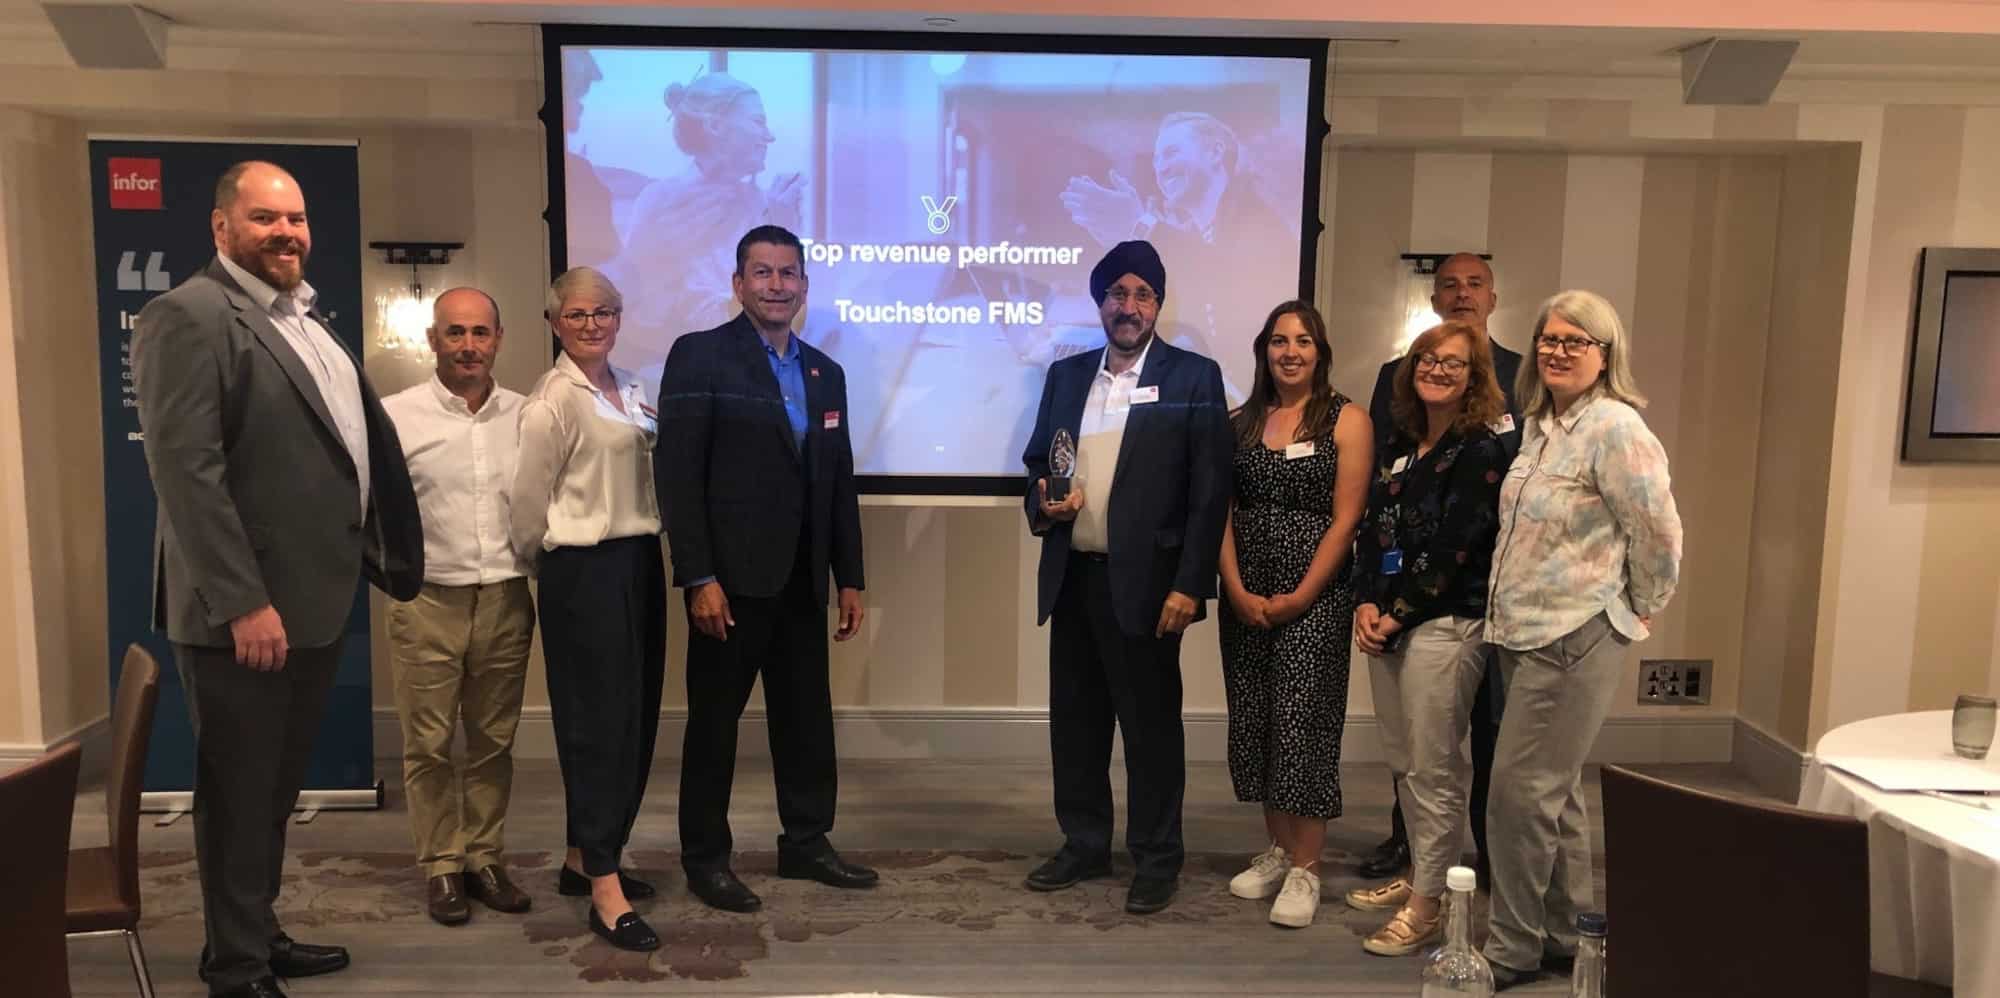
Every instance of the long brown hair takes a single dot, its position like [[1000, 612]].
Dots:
[[1483, 401], [1317, 420]]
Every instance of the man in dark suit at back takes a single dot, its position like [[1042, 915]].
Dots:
[[755, 470], [1461, 291], [280, 481], [1128, 561]]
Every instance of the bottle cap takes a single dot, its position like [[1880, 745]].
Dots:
[[1590, 923], [1461, 878]]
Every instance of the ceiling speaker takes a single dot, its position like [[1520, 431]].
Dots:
[[1733, 70], [110, 36]]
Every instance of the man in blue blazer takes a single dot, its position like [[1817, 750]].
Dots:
[[755, 471], [1128, 561]]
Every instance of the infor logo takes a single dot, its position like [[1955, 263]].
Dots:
[[135, 184]]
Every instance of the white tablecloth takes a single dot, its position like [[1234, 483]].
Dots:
[[1933, 866]]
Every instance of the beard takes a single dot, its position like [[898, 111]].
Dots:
[[1127, 333], [260, 258]]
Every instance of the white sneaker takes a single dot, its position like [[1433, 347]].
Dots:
[[1261, 880], [1298, 902]]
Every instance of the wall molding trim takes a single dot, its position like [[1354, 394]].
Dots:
[[1766, 760], [94, 735], [975, 733]]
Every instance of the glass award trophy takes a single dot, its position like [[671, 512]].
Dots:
[[1062, 465]]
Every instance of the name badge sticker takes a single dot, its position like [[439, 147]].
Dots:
[[1402, 464], [832, 420], [1504, 425], [1141, 396], [1303, 448]]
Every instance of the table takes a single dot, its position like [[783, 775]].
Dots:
[[1933, 865]]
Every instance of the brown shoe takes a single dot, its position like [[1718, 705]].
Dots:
[[491, 886], [447, 904]]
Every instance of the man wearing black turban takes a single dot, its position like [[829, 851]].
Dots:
[[1128, 561]]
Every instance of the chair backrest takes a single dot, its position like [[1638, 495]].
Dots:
[[38, 800], [1720, 896], [131, 733]]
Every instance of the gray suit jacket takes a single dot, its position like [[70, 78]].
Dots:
[[258, 498]]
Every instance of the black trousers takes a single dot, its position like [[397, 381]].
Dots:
[[1101, 677], [784, 639], [604, 635], [1485, 733], [253, 735]]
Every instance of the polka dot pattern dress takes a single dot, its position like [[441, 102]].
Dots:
[[1287, 687]]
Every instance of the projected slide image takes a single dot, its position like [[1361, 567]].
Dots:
[[953, 205]]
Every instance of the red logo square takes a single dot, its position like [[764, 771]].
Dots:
[[135, 184]]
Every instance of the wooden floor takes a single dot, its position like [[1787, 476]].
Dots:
[[952, 840]]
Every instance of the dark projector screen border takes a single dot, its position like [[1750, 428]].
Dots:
[[557, 37]]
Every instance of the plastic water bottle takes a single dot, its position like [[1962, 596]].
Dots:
[[1587, 977], [1458, 970]]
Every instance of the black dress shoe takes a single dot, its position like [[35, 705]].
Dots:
[[571, 884], [263, 987], [631, 932], [827, 868], [1150, 894], [721, 889], [1066, 870], [290, 958], [1389, 859], [1505, 977]]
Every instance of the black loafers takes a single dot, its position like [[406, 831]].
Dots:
[[1066, 870], [1389, 859], [571, 884], [630, 933], [827, 868], [1150, 894], [721, 889]]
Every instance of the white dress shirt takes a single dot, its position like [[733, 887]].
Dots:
[[462, 464], [1099, 437], [332, 369], [586, 469]]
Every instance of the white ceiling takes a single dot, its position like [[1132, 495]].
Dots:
[[456, 27]]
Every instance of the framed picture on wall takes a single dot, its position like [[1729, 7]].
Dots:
[[1953, 412]]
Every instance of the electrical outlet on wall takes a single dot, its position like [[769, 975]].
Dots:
[[1674, 681]]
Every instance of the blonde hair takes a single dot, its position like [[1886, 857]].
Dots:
[[1588, 311], [577, 281]]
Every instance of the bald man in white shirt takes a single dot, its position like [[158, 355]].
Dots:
[[461, 647]]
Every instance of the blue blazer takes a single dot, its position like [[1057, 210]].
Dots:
[[1169, 493], [729, 476]]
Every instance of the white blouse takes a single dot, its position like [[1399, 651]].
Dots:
[[585, 471]]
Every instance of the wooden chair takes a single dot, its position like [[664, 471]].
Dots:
[[1721, 896], [38, 800], [103, 893]]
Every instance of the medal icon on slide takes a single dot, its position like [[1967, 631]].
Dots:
[[1062, 465], [937, 217]]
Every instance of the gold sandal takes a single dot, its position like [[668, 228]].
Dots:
[[1405, 934]]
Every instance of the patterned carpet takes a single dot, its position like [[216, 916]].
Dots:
[[946, 902]]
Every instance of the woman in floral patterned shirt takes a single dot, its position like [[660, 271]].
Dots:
[[1420, 585], [1589, 550]]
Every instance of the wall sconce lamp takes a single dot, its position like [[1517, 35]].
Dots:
[[404, 314]]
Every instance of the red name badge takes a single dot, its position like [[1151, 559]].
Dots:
[[832, 421]]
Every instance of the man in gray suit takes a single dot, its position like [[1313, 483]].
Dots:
[[280, 481]]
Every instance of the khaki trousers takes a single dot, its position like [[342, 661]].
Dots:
[[460, 651], [1423, 702], [1557, 698]]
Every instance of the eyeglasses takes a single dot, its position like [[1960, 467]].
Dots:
[[1449, 365], [579, 317], [1568, 346], [1144, 297]]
